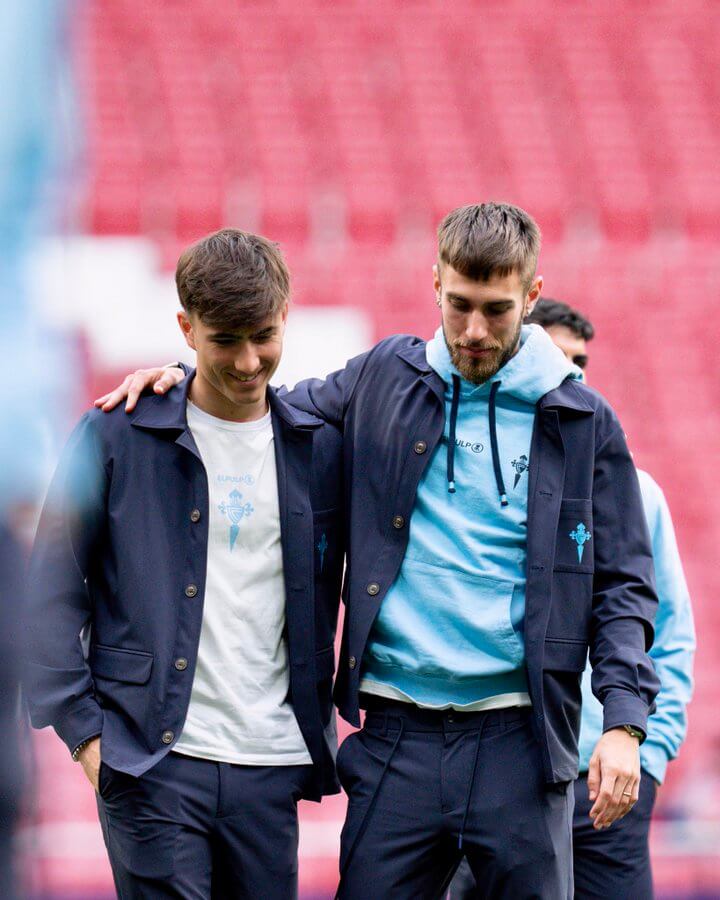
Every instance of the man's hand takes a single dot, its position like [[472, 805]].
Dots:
[[160, 379], [613, 777], [89, 759]]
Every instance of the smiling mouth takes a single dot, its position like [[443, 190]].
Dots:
[[245, 379]]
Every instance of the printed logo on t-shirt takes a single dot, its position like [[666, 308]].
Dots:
[[236, 510]]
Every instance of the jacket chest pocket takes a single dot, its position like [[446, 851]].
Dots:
[[575, 540], [327, 544]]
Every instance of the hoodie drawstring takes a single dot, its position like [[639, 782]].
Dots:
[[494, 446], [451, 437], [493, 440]]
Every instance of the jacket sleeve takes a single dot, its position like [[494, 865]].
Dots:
[[674, 646], [58, 683], [624, 598], [329, 398]]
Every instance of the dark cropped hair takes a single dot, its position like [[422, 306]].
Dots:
[[549, 312], [232, 279], [490, 239]]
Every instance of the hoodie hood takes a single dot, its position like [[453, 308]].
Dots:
[[537, 368]]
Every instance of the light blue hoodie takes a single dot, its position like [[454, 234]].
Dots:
[[450, 629], [672, 650]]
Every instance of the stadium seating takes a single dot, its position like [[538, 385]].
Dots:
[[346, 130]]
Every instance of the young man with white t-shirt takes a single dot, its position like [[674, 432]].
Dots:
[[200, 541]]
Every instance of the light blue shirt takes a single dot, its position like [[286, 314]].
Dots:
[[672, 651]]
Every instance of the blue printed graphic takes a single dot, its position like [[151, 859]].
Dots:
[[322, 547], [581, 536], [520, 465], [236, 511]]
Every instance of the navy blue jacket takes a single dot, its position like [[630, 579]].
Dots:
[[121, 554], [389, 404]]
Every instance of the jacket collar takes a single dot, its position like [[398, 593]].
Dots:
[[415, 356], [169, 412], [566, 396]]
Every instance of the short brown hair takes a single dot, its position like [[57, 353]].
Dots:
[[232, 279], [490, 239]]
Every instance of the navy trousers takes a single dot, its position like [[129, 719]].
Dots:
[[614, 862], [427, 787], [191, 829]]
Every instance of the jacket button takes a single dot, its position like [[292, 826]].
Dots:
[[373, 588], [420, 447], [191, 590], [352, 662], [181, 664], [167, 737], [398, 522], [195, 515]]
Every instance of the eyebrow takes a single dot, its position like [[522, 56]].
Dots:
[[452, 296], [238, 336]]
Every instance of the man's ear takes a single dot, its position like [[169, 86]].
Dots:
[[186, 327], [533, 295]]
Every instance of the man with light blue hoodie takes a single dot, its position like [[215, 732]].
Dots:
[[615, 862], [487, 552]]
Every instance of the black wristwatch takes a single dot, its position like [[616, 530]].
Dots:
[[634, 732]]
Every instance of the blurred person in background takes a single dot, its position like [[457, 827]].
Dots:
[[616, 862], [32, 74], [470, 677], [11, 771], [199, 545]]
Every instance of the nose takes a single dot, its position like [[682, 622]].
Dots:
[[476, 327], [247, 361]]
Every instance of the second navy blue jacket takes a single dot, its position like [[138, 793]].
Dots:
[[120, 556], [389, 404]]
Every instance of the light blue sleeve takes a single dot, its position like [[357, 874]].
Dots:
[[674, 646]]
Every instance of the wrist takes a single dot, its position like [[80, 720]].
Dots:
[[634, 732], [81, 746]]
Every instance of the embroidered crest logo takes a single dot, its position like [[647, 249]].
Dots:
[[236, 511], [520, 465], [581, 536], [321, 548]]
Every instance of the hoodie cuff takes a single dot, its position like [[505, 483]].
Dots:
[[80, 723], [654, 759]]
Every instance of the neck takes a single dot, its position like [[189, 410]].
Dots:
[[210, 400]]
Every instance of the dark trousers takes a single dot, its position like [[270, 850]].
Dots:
[[191, 828], [426, 788], [614, 862]]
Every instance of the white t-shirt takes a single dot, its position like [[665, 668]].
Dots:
[[238, 706]]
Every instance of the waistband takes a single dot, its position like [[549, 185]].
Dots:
[[385, 715]]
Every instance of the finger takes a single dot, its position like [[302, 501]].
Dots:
[[111, 400], [167, 380], [593, 779], [622, 795], [101, 400], [137, 386], [599, 812]]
